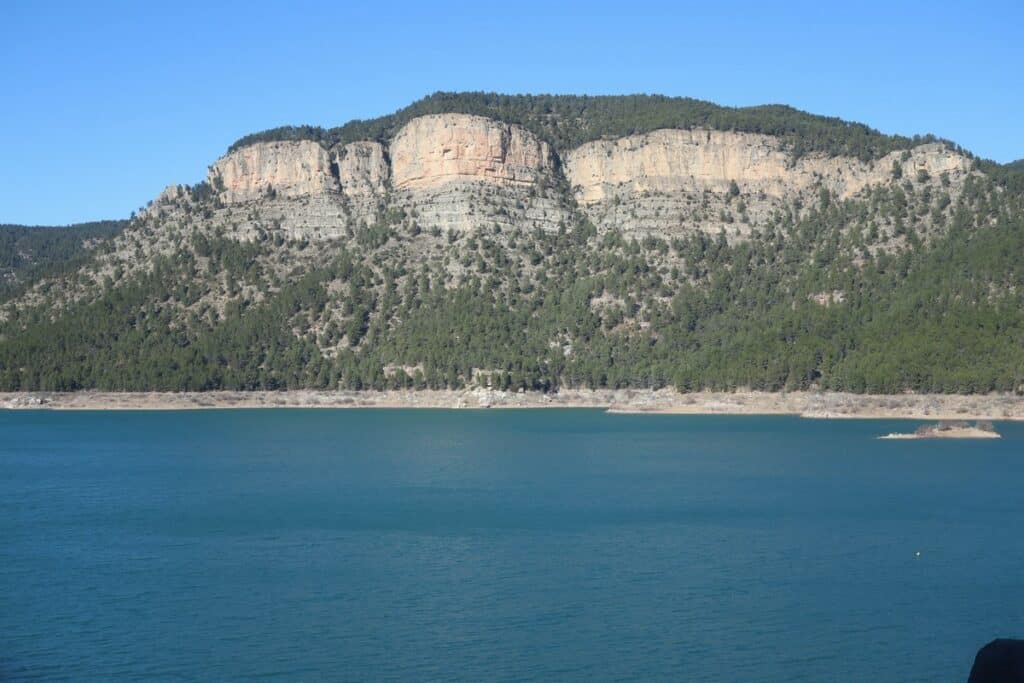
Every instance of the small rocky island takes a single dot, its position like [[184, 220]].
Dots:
[[950, 429]]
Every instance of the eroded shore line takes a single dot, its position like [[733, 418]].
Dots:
[[826, 405]]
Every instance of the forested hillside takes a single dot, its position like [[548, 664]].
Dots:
[[803, 305], [567, 121], [913, 284], [29, 253]]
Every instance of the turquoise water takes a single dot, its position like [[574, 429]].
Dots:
[[501, 545]]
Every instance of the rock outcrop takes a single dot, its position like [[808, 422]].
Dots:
[[170, 198], [285, 170], [170, 194], [669, 180], [450, 171], [695, 161], [362, 170], [430, 151], [458, 172], [362, 173]]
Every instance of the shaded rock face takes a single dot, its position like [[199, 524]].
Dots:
[[288, 169], [362, 169], [362, 173], [1001, 661], [431, 151], [671, 180]]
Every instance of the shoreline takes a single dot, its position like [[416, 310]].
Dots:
[[813, 405]]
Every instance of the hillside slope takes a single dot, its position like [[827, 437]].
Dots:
[[540, 243], [29, 253]]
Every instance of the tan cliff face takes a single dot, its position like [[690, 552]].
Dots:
[[452, 172], [291, 169], [673, 180], [428, 152], [459, 172], [699, 160], [434, 150], [671, 161]]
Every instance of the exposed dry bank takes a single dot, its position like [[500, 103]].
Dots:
[[949, 429], [805, 404]]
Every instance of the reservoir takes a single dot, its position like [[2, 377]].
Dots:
[[525, 545]]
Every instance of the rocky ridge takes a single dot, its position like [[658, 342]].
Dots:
[[671, 180], [459, 172]]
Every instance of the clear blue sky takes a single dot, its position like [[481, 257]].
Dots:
[[106, 103]]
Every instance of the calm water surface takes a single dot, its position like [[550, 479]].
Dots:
[[502, 545]]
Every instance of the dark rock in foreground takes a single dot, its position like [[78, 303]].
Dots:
[[1001, 661]]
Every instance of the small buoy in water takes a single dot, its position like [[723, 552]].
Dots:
[[917, 554]]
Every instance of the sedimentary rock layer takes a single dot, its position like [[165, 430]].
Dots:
[[458, 171], [434, 150], [285, 169]]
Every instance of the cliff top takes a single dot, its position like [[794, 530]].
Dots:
[[567, 121]]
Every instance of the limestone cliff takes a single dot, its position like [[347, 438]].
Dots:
[[286, 169], [671, 180], [676, 180], [459, 172], [435, 150], [699, 160]]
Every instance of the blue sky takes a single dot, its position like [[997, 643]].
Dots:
[[106, 103]]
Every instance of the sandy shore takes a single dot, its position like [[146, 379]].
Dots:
[[666, 401]]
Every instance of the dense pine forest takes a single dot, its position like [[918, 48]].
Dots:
[[846, 295], [30, 253], [567, 121], [694, 313]]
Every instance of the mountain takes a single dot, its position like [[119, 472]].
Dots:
[[538, 242]]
